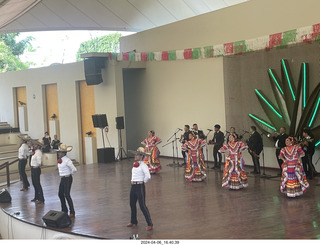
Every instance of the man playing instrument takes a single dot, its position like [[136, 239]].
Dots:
[[255, 147], [308, 147], [217, 141], [183, 139], [199, 133]]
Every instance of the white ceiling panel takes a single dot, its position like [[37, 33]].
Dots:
[[122, 15], [128, 13], [178, 9], [99, 13], [69, 13], [154, 11]]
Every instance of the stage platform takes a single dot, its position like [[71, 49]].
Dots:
[[179, 210]]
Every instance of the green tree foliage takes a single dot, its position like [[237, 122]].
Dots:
[[10, 50], [109, 43]]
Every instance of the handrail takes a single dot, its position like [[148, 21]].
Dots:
[[6, 165], [6, 152], [7, 158]]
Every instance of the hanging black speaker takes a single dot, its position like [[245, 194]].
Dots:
[[92, 69], [99, 120], [57, 219], [5, 196], [119, 123]]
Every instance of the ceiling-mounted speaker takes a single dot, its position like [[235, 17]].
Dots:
[[92, 69]]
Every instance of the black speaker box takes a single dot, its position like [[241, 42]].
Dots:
[[99, 120], [106, 155], [120, 123], [92, 70], [5, 196], [57, 219]]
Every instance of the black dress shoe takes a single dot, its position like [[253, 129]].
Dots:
[[33, 200]]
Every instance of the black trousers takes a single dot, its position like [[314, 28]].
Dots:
[[35, 176], [280, 161], [64, 194], [256, 164], [138, 193], [308, 165], [22, 171], [217, 155], [184, 156]]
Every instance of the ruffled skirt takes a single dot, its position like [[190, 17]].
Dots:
[[153, 161], [293, 180], [234, 177]]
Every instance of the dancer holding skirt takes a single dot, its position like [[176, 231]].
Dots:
[[234, 176], [293, 180], [195, 169], [150, 144]]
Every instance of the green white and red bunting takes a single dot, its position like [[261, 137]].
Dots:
[[278, 40]]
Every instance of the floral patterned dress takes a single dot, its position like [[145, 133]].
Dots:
[[152, 161], [234, 176], [293, 180], [195, 168]]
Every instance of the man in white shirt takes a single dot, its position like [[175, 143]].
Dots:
[[66, 170], [36, 162], [140, 175], [23, 154]]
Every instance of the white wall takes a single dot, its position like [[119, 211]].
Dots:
[[186, 91], [65, 76], [247, 20]]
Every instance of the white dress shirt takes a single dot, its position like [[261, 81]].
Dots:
[[141, 173], [23, 151], [36, 159], [66, 167]]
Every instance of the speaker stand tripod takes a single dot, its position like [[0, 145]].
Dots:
[[121, 149]]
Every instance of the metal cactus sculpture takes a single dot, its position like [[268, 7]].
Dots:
[[296, 107]]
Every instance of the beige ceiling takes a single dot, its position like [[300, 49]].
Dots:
[[118, 15]]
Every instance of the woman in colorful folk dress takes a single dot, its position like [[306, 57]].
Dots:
[[234, 176], [150, 144], [195, 168], [293, 180]]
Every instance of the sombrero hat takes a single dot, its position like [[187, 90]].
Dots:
[[24, 137], [140, 151], [38, 142], [64, 148]]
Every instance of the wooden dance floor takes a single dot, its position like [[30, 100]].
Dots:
[[179, 210]]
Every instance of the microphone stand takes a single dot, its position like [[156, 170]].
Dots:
[[175, 139], [207, 150], [264, 175], [174, 163]]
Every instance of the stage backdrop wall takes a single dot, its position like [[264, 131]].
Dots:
[[243, 74], [168, 79], [167, 95], [65, 76]]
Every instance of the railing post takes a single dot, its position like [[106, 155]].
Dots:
[[8, 175]]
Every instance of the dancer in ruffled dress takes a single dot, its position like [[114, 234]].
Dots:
[[150, 144], [195, 168], [234, 176], [293, 180]]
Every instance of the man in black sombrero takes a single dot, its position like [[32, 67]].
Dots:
[[66, 170], [140, 175]]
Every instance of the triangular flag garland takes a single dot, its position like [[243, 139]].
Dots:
[[277, 40]]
